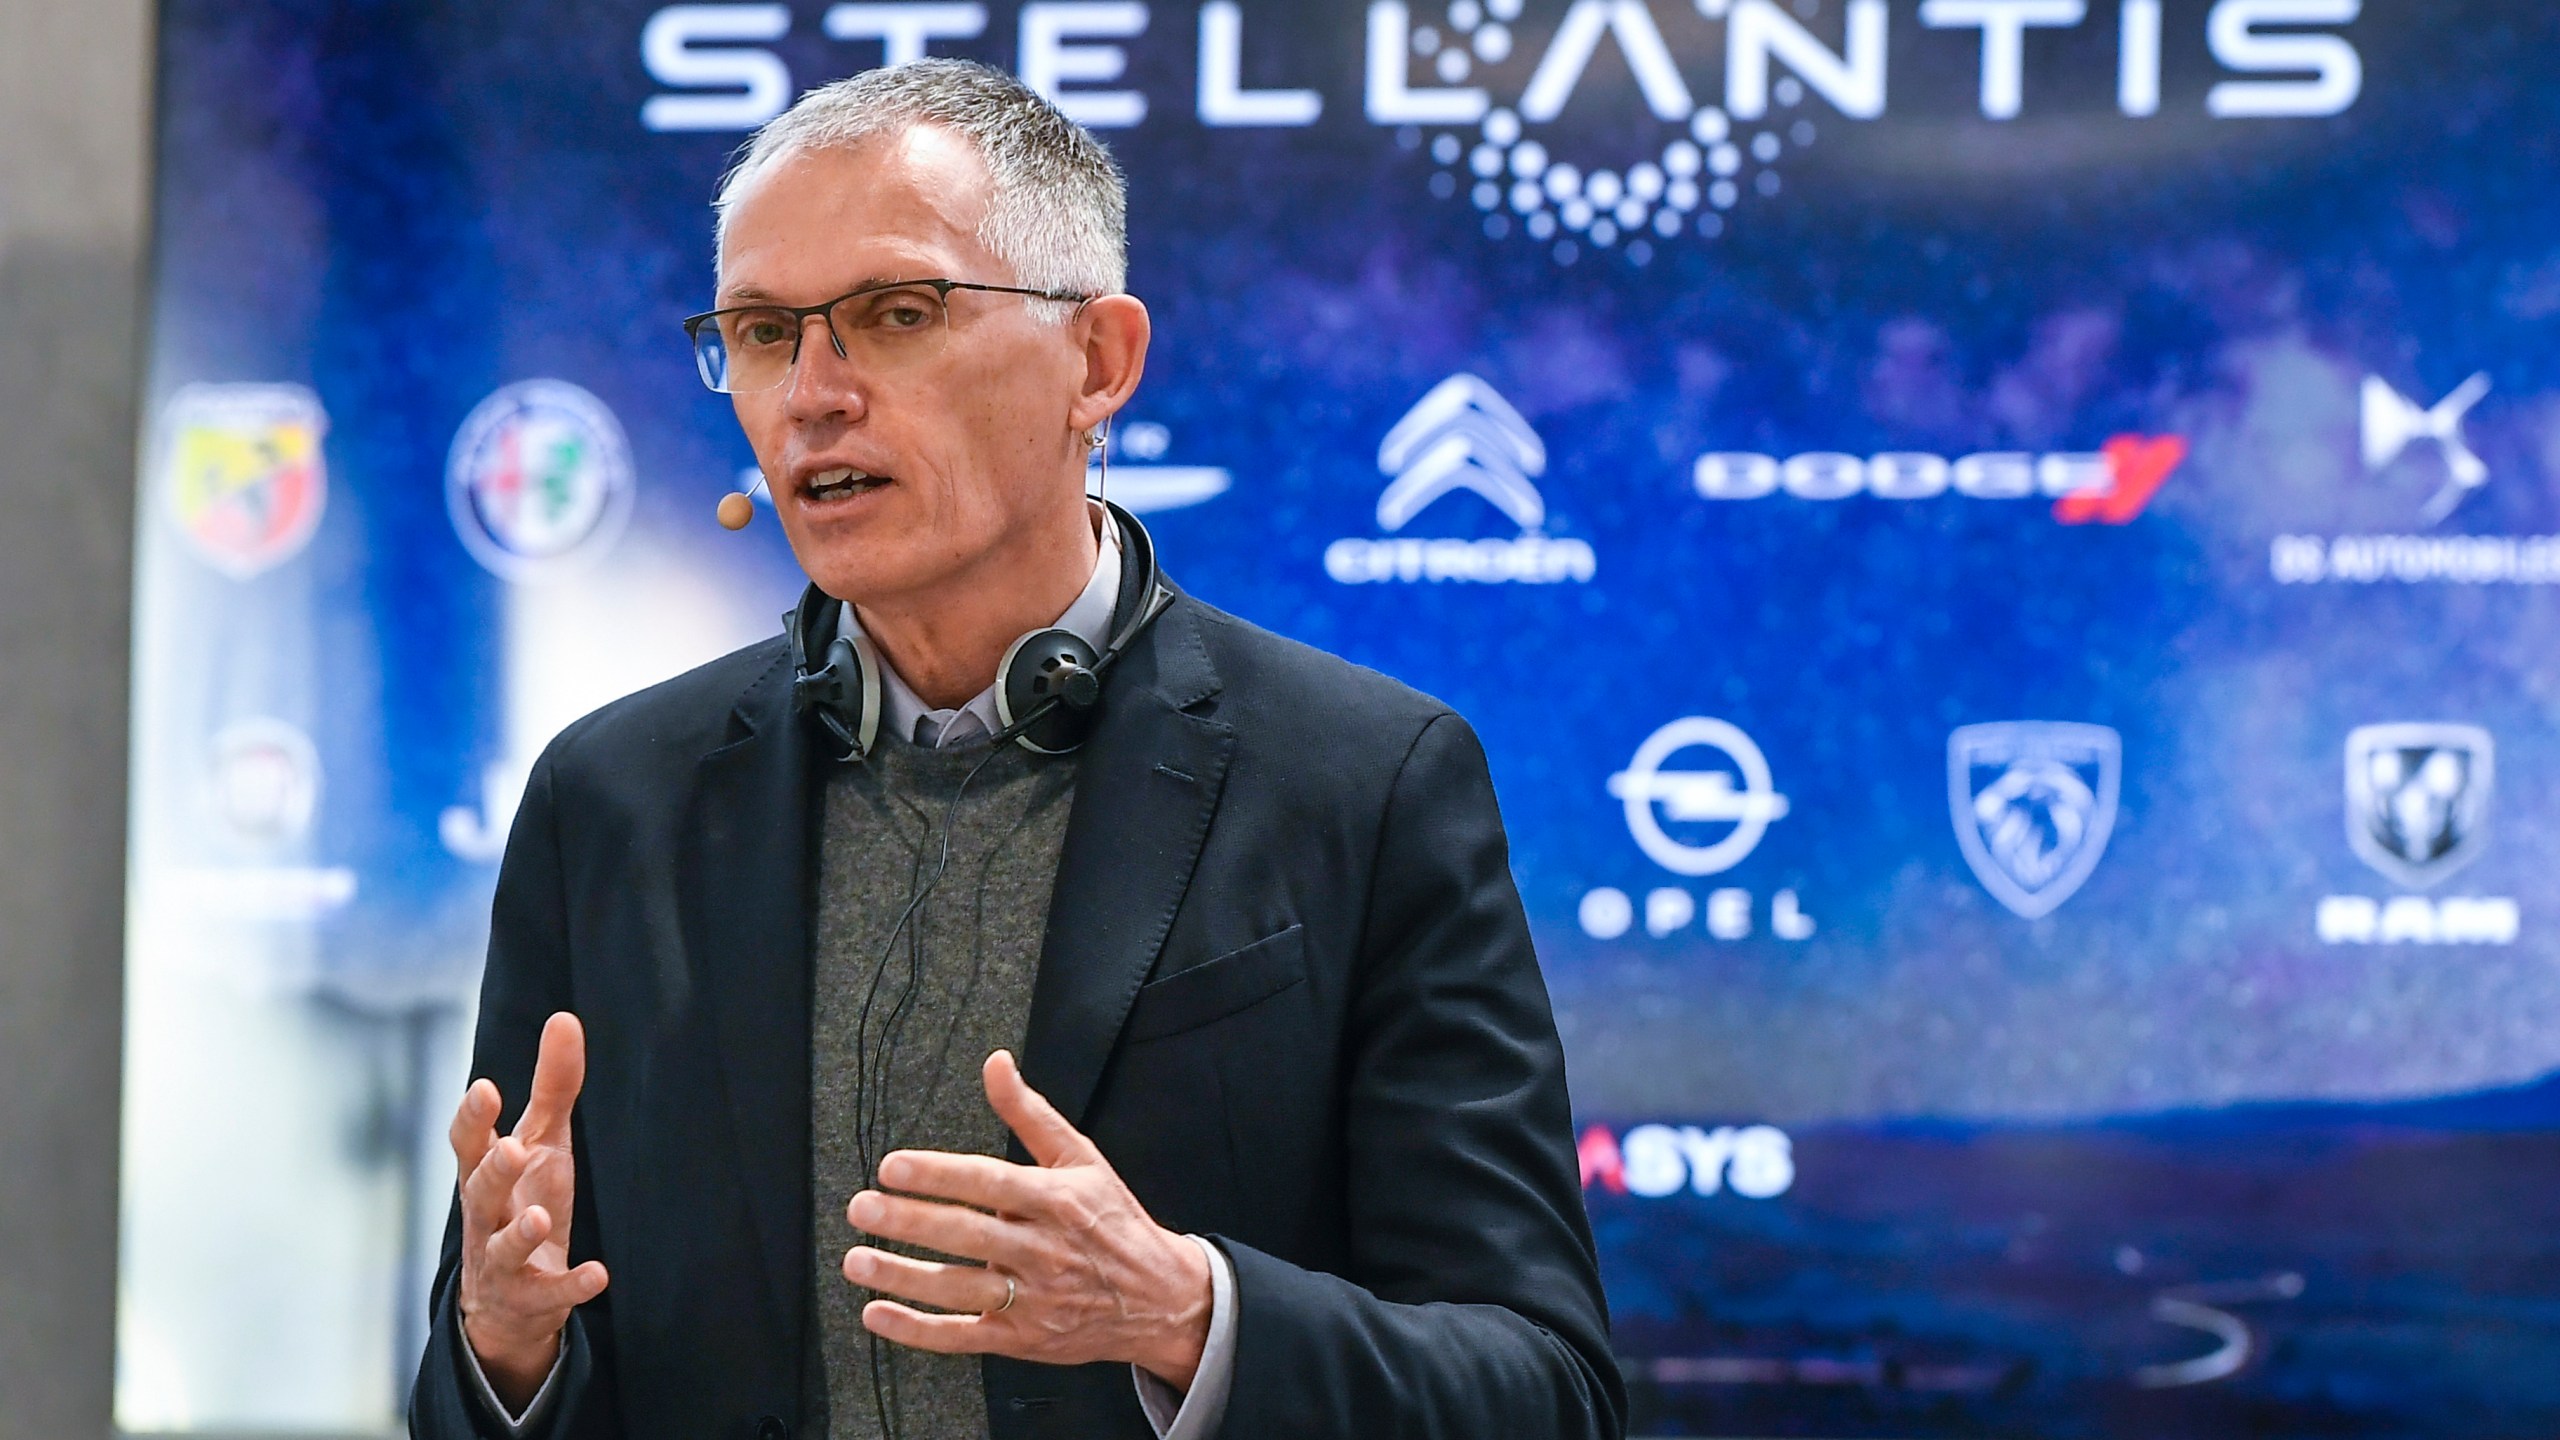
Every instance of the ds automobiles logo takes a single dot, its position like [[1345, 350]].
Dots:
[[2392, 422], [2391, 429]]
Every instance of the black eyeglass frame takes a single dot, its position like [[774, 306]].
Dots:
[[825, 309]]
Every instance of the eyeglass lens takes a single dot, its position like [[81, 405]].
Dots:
[[752, 348]]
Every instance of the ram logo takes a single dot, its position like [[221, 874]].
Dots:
[[2418, 798]]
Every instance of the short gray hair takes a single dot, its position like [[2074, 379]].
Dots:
[[1059, 211]]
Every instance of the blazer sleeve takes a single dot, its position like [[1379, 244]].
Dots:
[[527, 980], [1471, 1303]]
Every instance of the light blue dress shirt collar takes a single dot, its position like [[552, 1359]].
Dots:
[[1088, 619]]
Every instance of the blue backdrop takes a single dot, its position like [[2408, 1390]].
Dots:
[[2001, 550]]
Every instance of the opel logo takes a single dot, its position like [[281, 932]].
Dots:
[[1653, 794]]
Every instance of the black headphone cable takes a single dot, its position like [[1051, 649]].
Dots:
[[871, 1072]]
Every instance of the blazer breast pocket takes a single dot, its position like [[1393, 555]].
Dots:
[[1215, 989]]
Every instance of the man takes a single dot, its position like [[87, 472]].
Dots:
[[1290, 1148]]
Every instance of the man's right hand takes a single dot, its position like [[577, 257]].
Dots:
[[517, 1287]]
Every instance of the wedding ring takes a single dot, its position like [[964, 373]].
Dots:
[[1009, 1292]]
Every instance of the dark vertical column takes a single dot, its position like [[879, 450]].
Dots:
[[74, 110]]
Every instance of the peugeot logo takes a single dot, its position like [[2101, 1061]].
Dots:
[[2034, 802]]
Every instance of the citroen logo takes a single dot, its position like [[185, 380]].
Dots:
[[1462, 436]]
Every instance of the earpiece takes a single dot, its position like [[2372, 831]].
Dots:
[[1048, 686]]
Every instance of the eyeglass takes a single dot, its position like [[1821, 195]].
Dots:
[[891, 324]]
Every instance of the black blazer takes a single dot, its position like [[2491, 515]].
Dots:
[[1287, 987]]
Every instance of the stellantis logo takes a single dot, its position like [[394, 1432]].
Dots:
[[1461, 436], [1488, 87]]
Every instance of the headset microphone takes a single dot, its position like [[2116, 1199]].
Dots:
[[739, 506]]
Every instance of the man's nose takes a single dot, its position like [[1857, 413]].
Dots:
[[823, 381]]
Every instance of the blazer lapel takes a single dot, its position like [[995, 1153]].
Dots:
[[749, 867], [1147, 784]]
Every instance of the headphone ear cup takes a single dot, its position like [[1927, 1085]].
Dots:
[[843, 695], [1048, 666], [865, 722]]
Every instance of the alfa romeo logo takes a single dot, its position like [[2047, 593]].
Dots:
[[539, 474]]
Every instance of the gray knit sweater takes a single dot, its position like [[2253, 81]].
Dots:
[[896, 1043]]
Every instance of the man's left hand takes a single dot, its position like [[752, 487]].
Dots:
[[1092, 1277]]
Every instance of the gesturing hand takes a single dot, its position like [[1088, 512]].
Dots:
[[517, 1287], [1075, 1270]]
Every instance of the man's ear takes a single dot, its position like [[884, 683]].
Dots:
[[1113, 330]]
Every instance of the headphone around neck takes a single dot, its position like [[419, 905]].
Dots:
[[1048, 686]]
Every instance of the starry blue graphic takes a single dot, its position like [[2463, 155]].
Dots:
[[2013, 1137]]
